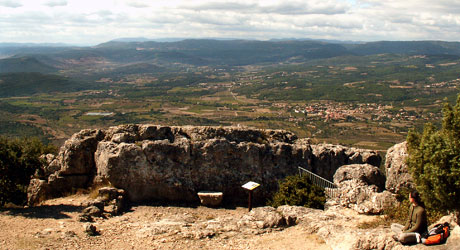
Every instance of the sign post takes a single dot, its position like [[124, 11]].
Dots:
[[250, 186]]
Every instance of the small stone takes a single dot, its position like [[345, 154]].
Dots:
[[92, 211], [68, 234], [85, 218], [90, 229]]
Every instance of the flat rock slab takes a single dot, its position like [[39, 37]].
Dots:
[[210, 198]]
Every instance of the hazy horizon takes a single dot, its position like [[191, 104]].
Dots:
[[94, 22]]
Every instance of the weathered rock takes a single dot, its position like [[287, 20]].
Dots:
[[37, 191], [92, 211], [48, 158], [52, 164], [85, 218], [365, 173], [294, 214], [451, 219], [97, 203], [357, 189], [328, 158], [77, 154], [152, 162], [375, 239], [263, 217], [453, 242], [396, 169], [110, 193], [109, 202], [90, 229]]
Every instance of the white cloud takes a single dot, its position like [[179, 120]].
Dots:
[[10, 4], [282, 7], [136, 4], [76, 21], [56, 3]]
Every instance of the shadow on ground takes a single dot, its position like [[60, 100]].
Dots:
[[44, 211]]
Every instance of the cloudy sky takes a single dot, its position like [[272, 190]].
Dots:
[[92, 22]]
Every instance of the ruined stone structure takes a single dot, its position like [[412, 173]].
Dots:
[[152, 162]]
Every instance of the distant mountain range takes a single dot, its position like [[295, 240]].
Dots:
[[130, 53]]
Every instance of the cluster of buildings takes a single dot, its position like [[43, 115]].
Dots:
[[335, 111]]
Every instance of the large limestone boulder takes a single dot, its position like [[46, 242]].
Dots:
[[327, 158], [364, 173], [398, 176], [360, 188], [76, 157]]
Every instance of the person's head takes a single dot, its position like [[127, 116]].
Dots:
[[414, 198]]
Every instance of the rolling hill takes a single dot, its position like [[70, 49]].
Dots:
[[25, 84], [208, 52], [24, 64]]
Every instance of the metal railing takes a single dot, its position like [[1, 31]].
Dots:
[[329, 187]]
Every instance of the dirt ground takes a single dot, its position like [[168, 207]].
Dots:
[[54, 225]]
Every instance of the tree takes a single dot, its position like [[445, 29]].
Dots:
[[19, 159], [298, 191], [434, 161]]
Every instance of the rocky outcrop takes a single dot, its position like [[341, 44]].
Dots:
[[73, 168], [360, 187], [363, 173], [152, 162], [397, 173], [326, 158]]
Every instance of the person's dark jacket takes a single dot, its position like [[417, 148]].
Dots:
[[417, 222]]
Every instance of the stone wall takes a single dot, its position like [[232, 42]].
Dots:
[[152, 162]]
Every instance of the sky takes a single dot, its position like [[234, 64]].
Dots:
[[92, 22]]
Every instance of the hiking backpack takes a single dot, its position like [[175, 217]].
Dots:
[[438, 234]]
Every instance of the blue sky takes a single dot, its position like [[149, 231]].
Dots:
[[97, 21]]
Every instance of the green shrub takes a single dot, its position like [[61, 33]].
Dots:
[[19, 159], [434, 161], [298, 191]]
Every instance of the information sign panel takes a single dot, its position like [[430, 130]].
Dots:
[[251, 185]]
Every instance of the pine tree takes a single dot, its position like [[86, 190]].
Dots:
[[19, 159], [434, 161]]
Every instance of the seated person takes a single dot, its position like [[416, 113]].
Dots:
[[416, 224]]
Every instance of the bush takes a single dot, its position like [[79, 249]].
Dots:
[[434, 161], [19, 159], [298, 191]]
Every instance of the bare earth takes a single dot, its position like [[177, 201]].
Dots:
[[55, 225]]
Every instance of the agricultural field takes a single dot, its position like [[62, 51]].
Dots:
[[368, 101]]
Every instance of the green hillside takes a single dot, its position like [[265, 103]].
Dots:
[[24, 64], [25, 84]]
